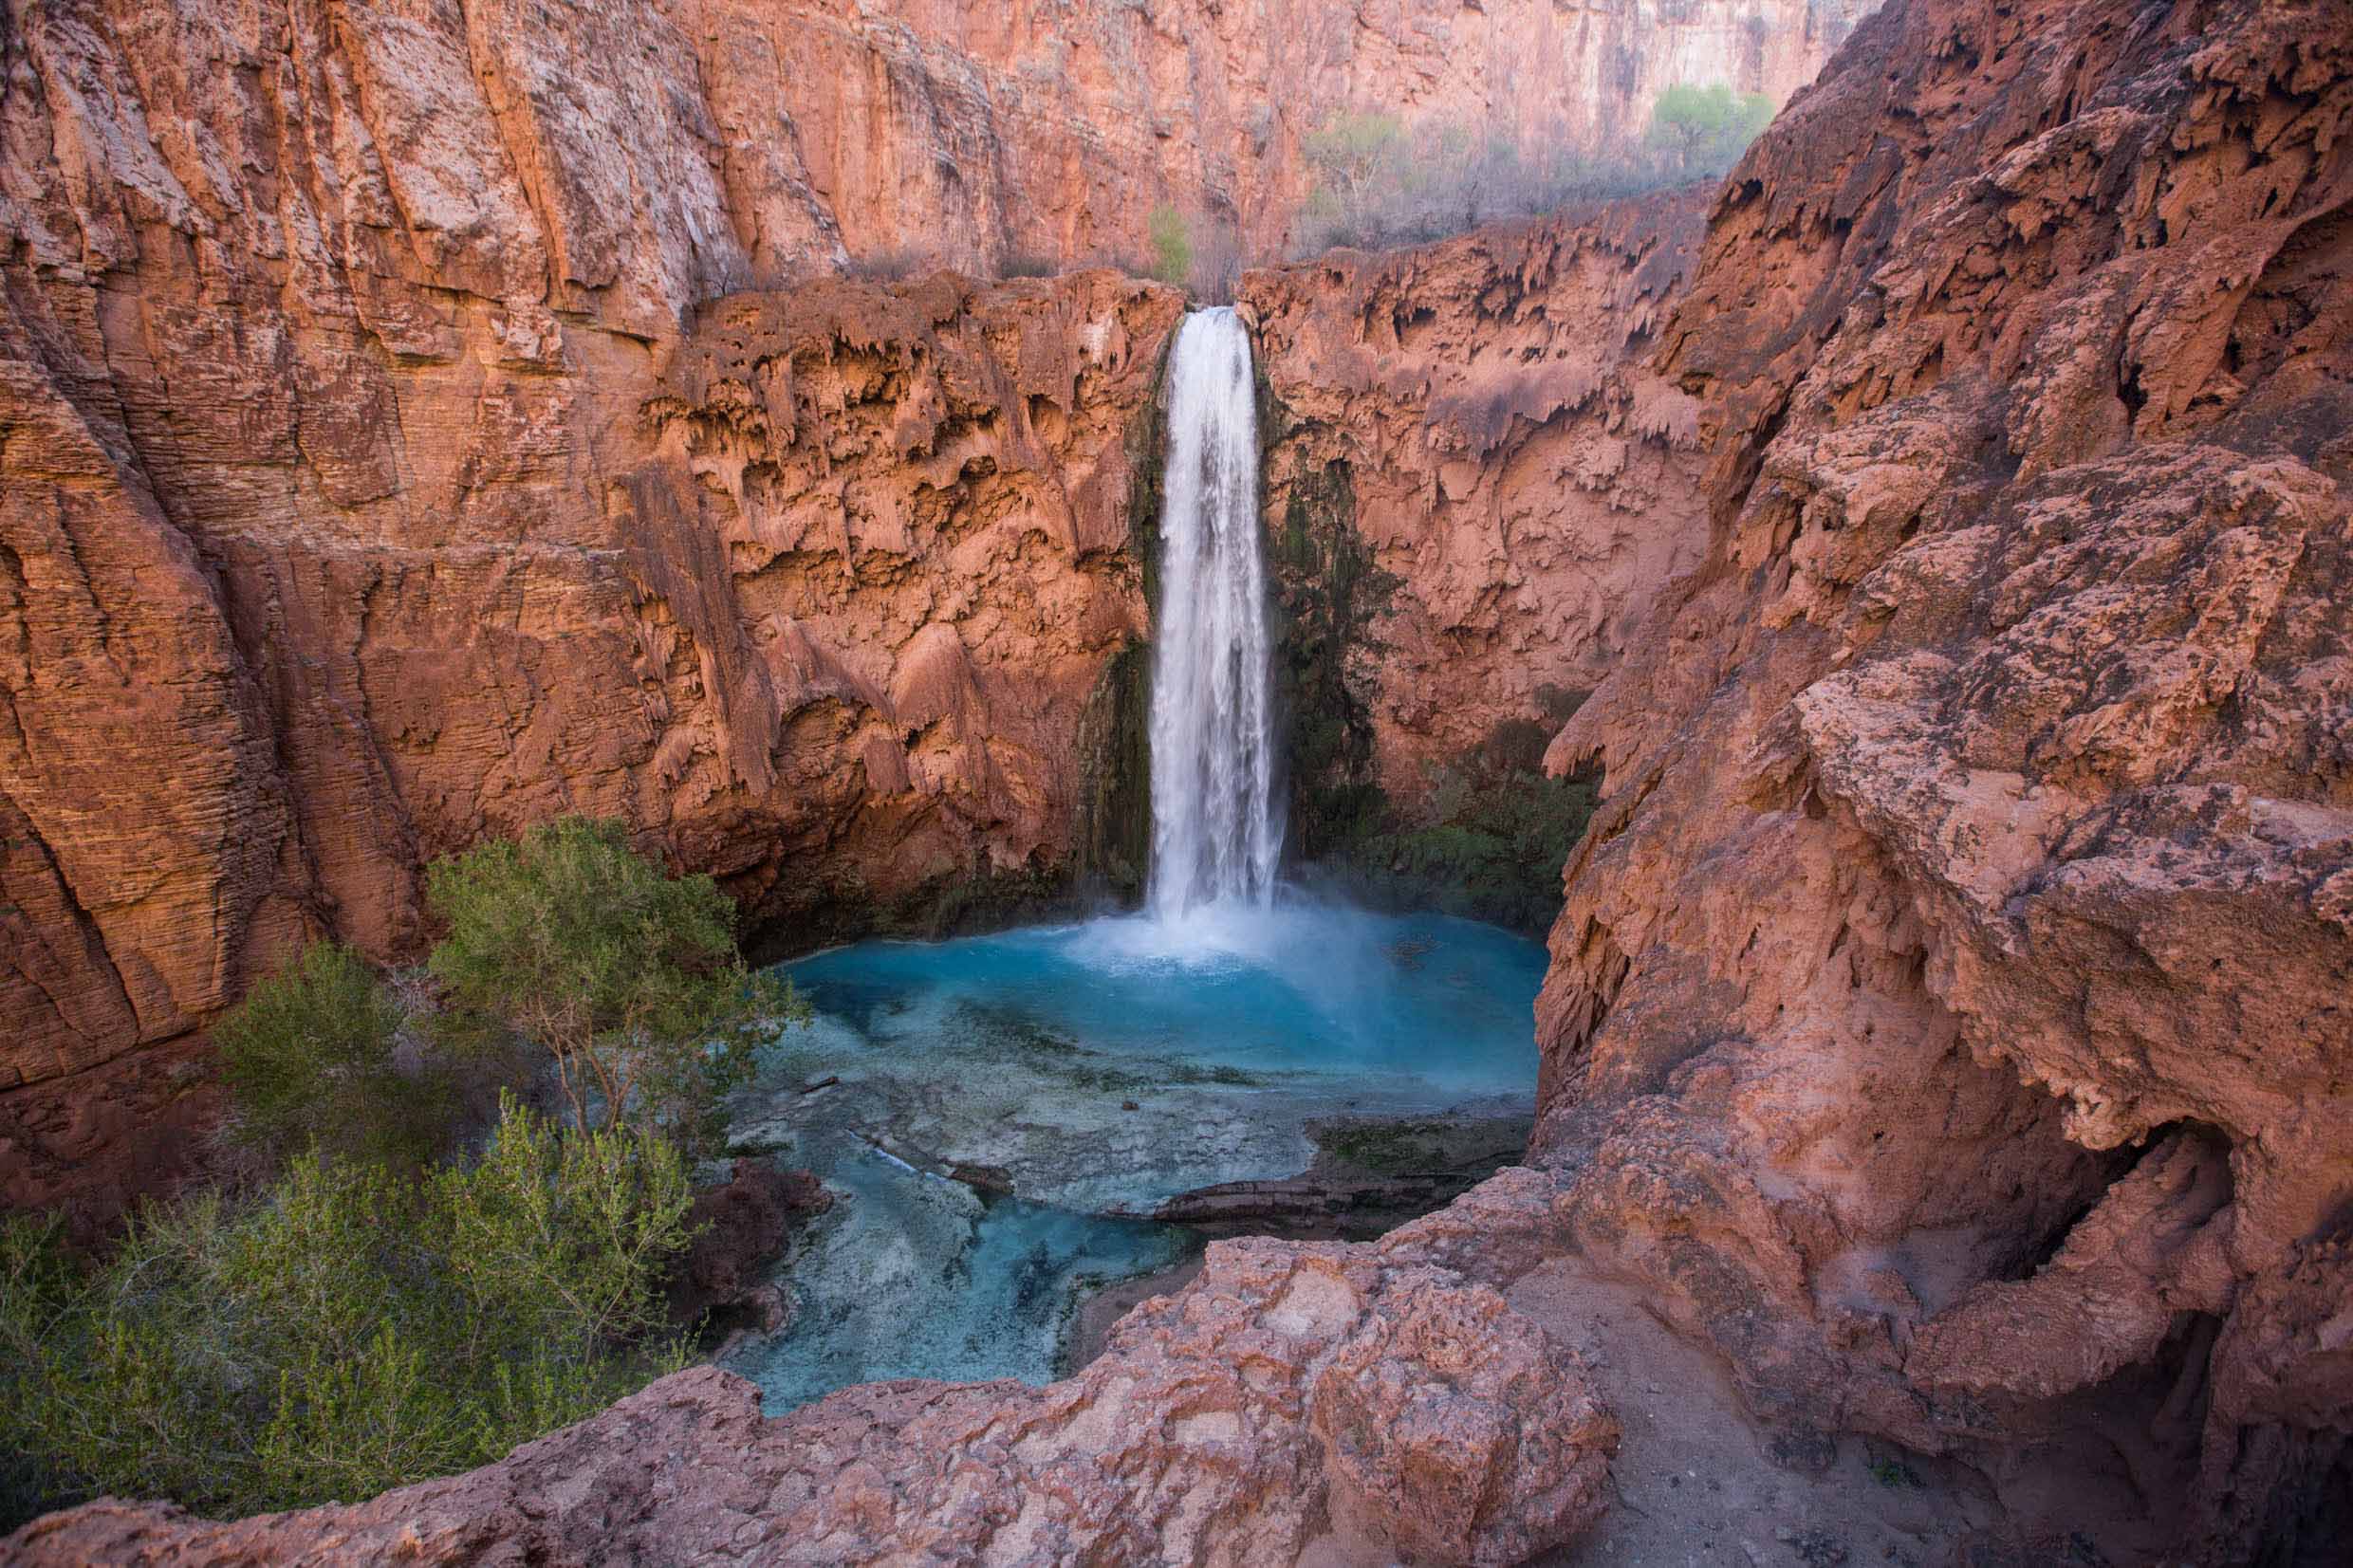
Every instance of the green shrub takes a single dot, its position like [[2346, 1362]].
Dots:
[[310, 1054], [1378, 182], [627, 977], [1171, 246], [1025, 265], [1708, 128], [349, 1329]]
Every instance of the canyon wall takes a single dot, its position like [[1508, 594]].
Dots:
[[1947, 1019], [1473, 421], [388, 467], [1945, 1022], [815, 600], [971, 134]]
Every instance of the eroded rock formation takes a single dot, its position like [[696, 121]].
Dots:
[[1946, 1017], [814, 599], [1474, 419], [380, 477], [1948, 1014]]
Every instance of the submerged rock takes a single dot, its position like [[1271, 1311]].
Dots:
[[740, 1227]]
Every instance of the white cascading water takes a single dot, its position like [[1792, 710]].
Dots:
[[1217, 832]]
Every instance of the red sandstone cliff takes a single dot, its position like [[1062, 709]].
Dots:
[[814, 596], [1947, 1019], [378, 476]]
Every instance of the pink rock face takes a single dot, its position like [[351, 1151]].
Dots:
[[1946, 1020], [969, 134], [1293, 1397], [814, 598], [351, 491]]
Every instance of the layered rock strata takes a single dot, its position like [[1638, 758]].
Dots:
[[1944, 1022]]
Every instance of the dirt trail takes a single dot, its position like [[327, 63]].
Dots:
[[1694, 1484]]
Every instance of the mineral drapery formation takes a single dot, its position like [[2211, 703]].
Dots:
[[1479, 417], [825, 592]]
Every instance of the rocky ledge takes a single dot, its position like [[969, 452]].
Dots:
[[1296, 1397]]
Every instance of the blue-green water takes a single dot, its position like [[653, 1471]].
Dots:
[[1097, 1069], [1298, 988]]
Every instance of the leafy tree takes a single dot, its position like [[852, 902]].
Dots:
[[310, 1056], [352, 1329], [626, 976], [1352, 155], [1171, 246], [1708, 127]]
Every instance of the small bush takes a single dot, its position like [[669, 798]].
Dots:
[[627, 977], [1171, 246], [893, 266], [311, 1055], [350, 1330]]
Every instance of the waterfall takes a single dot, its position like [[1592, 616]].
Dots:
[[1217, 832]]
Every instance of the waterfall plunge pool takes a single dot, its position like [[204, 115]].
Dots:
[[1005, 1115], [1012, 1108]]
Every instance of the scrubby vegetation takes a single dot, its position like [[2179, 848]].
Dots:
[[627, 978], [346, 1330], [1705, 129], [314, 1054], [1202, 255], [1380, 182], [405, 1288]]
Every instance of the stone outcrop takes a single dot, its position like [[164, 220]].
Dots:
[[1947, 1015], [1294, 1397], [1473, 421], [738, 1228], [813, 595]]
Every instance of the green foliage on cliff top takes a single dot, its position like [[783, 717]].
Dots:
[[1380, 182], [1708, 128], [1171, 246], [346, 1330]]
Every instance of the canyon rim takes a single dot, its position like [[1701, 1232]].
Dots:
[[1932, 543]]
